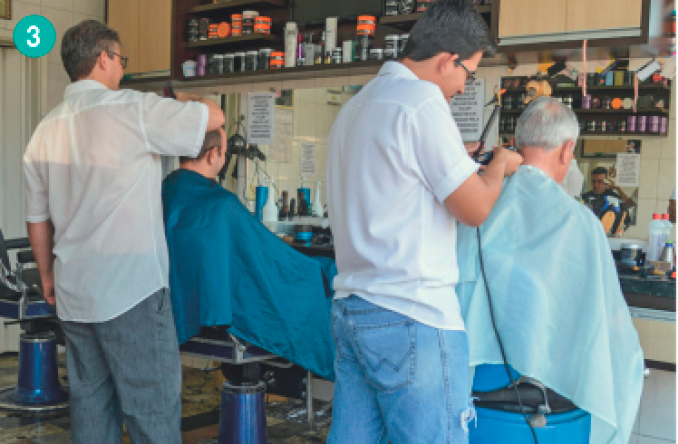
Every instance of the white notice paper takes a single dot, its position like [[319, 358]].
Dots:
[[628, 170], [261, 108], [467, 110], [308, 159]]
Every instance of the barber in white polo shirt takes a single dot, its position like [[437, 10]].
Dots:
[[93, 175], [398, 181]]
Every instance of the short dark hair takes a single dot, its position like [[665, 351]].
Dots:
[[452, 26], [212, 141], [82, 44], [599, 170]]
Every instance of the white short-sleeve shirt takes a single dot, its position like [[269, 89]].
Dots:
[[93, 168], [394, 155]]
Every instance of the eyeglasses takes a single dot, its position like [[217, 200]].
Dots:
[[123, 59], [470, 76]]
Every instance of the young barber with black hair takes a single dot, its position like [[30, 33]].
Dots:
[[398, 181]]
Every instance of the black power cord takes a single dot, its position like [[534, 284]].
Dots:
[[501, 345]]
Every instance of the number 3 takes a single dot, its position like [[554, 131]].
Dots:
[[35, 36]]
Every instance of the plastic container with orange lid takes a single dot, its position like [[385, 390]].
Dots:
[[262, 29], [366, 30], [262, 20], [224, 30], [367, 20], [277, 60]]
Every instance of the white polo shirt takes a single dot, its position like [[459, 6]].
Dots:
[[93, 168], [394, 155]]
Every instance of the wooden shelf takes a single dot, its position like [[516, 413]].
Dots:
[[655, 111], [236, 4], [267, 38], [287, 73], [606, 133], [641, 87]]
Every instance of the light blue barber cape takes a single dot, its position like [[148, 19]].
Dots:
[[227, 269], [557, 302]]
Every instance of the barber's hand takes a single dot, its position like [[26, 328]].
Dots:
[[48, 289], [472, 147], [512, 159]]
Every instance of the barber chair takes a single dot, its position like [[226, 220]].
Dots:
[[38, 389], [555, 419]]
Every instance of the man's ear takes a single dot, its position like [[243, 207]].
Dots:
[[565, 152], [101, 60], [445, 62], [212, 156]]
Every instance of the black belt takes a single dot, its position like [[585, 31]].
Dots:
[[534, 396]]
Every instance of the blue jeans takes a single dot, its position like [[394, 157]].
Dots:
[[126, 370], [397, 380]]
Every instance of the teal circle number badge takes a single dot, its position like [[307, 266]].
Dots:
[[34, 36]]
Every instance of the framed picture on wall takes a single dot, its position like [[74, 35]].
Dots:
[[5, 9], [609, 148]]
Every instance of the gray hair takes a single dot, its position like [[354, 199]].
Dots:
[[546, 123], [82, 44]]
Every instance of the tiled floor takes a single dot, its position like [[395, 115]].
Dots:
[[286, 419]]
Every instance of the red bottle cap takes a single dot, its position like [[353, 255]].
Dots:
[[656, 216], [665, 217]]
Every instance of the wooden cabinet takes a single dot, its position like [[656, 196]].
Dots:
[[145, 32], [155, 22], [526, 17], [657, 339], [123, 17], [529, 17], [583, 15]]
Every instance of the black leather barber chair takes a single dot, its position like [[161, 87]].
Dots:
[[38, 389]]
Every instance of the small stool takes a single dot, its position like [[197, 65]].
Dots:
[[243, 414]]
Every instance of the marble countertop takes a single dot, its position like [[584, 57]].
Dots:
[[648, 286]]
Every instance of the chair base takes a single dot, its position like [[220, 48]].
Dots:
[[38, 389], [243, 417], [9, 403]]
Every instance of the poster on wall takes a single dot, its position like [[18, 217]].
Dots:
[[308, 163], [628, 170], [5, 9], [467, 110], [260, 120], [282, 136]]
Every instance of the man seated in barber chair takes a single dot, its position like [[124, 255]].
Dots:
[[546, 266], [608, 202], [228, 269]]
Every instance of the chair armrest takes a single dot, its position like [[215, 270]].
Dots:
[[25, 257]]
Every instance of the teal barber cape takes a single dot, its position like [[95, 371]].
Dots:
[[227, 269]]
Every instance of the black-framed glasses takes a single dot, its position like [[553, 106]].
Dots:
[[470, 76], [123, 59]]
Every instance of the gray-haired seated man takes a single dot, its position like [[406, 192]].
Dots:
[[556, 298]]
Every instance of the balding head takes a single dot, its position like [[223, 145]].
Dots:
[[546, 135]]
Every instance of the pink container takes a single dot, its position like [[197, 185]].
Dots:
[[641, 126]]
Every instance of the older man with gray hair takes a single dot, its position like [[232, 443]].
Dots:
[[543, 261]]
